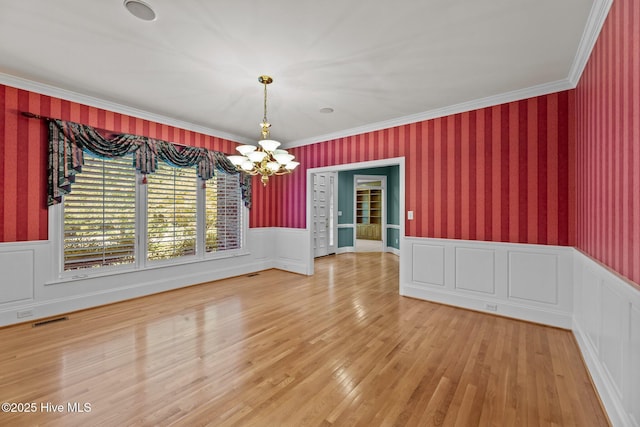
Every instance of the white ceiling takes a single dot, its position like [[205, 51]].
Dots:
[[372, 61]]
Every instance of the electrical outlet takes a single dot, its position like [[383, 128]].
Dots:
[[491, 307], [24, 313]]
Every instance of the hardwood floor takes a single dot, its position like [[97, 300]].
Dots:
[[279, 349]]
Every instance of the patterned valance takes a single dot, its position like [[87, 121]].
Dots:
[[68, 141]]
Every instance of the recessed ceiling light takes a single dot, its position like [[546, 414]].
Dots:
[[140, 10], [326, 110]]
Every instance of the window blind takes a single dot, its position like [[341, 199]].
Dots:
[[99, 215], [223, 213], [171, 212], [104, 216]]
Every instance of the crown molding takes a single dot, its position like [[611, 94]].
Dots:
[[597, 17], [595, 21], [516, 95], [69, 95]]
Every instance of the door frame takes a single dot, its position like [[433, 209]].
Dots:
[[331, 249], [395, 161]]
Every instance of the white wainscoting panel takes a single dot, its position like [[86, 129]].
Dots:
[[533, 277], [259, 241], [475, 270], [52, 296], [613, 334], [17, 275], [589, 306], [552, 285], [634, 374], [529, 282], [428, 262], [290, 248], [606, 324]]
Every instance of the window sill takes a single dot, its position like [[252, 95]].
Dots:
[[156, 265]]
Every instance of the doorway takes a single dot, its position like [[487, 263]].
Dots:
[[370, 212], [399, 229]]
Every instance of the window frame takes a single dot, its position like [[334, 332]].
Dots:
[[99, 178], [56, 237]]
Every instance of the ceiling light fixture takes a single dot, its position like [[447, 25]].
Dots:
[[140, 10], [265, 159]]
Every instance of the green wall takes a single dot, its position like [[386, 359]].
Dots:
[[345, 202], [393, 237]]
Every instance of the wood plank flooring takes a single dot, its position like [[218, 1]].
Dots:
[[339, 348]]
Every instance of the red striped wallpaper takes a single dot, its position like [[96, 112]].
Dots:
[[23, 153], [608, 148], [503, 173]]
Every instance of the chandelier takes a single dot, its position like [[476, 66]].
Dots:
[[265, 159]]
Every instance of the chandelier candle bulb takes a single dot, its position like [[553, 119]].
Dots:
[[265, 159], [237, 160], [273, 166], [269, 144], [257, 156], [247, 165], [246, 149], [291, 165], [283, 158]]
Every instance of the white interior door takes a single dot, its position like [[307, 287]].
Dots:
[[324, 204]]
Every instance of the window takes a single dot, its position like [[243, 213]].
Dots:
[[223, 215], [110, 219], [171, 212], [100, 215]]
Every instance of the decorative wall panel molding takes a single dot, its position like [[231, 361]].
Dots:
[[533, 277], [18, 273], [529, 282], [36, 293], [475, 270], [430, 259], [606, 324]]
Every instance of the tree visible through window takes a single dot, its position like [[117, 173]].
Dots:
[[100, 215], [171, 212]]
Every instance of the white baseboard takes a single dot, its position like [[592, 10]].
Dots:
[[40, 309], [349, 249], [290, 266], [392, 250], [606, 324], [510, 309], [528, 282], [33, 291], [345, 249], [608, 396], [557, 286], [290, 250]]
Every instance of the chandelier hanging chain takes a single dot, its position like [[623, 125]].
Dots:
[[265, 159], [264, 119], [265, 125]]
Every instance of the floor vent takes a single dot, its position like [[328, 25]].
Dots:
[[252, 274], [48, 321]]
